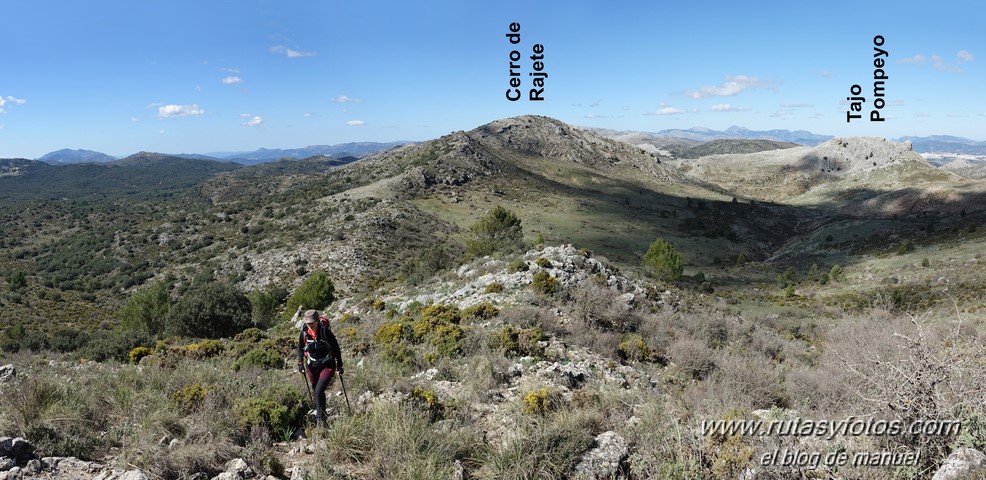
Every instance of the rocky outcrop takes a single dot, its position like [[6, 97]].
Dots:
[[963, 464], [606, 461]]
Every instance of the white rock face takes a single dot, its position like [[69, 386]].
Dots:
[[963, 464]]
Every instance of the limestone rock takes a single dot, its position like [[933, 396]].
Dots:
[[607, 460], [963, 464], [7, 373]]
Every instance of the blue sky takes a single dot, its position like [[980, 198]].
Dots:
[[204, 76]]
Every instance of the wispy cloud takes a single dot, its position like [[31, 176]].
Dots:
[[134, 120], [592, 115], [725, 107], [734, 85], [922, 115], [172, 110], [668, 111], [309, 114], [232, 80], [939, 63], [253, 122], [797, 105], [345, 99], [825, 74], [229, 70], [291, 53], [781, 113], [917, 59], [6, 102], [355, 123]]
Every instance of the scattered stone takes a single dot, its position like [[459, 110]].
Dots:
[[607, 460], [963, 464], [7, 373], [6, 463], [226, 476], [132, 475], [297, 473], [239, 467], [33, 467]]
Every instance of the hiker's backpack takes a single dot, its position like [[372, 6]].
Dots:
[[319, 351]]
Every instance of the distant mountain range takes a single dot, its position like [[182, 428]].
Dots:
[[352, 149], [660, 139], [672, 141], [66, 156]]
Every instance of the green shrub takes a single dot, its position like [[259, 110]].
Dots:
[[207, 348], [147, 309], [483, 311], [499, 230], [663, 261], [517, 265], [391, 333], [446, 339], [540, 401], [543, 262], [633, 347], [544, 283], [279, 409], [379, 305], [519, 341], [494, 287], [431, 261], [433, 316], [189, 397], [260, 357], [250, 335], [213, 310], [401, 354], [263, 306], [317, 292], [139, 353]]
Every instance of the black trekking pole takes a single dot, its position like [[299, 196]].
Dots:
[[342, 381], [311, 395]]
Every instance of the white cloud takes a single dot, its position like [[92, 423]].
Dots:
[[825, 74], [229, 70], [725, 107], [965, 56], [232, 80], [9, 100], [817, 115], [355, 123], [134, 119], [595, 104], [345, 99], [668, 111], [290, 52], [198, 88], [915, 59], [253, 122], [169, 111], [592, 115], [797, 105], [734, 85], [309, 114], [922, 115], [780, 113], [161, 131]]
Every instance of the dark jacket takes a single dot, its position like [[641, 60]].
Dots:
[[321, 333]]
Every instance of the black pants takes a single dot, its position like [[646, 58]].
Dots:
[[320, 379]]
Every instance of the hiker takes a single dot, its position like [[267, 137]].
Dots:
[[319, 357]]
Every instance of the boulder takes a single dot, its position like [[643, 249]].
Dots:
[[132, 475], [963, 464], [6, 463]]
